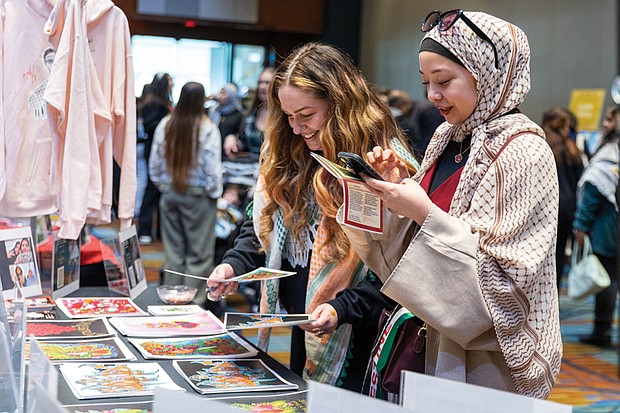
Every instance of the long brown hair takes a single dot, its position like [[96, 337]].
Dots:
[[357, 121], [555, 123], [181, 134]]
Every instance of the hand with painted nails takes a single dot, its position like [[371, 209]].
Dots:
[[216, 290]]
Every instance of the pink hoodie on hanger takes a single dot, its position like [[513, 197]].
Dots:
[[27, 187], [109, 43], [77, 114]]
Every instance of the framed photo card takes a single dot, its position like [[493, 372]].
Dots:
[[65, 266], [18, 263], [132, 261]]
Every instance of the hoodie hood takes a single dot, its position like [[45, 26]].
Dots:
[[97, 9]]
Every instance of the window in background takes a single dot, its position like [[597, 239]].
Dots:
[[212, 63]]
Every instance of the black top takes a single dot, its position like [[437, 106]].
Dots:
[[359, 306]]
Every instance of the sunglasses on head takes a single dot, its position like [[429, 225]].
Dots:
[[444, 21]]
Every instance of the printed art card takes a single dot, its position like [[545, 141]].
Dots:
[[361, 208], [198, 324], [128, 407], [228, 376], [93, 381], [85, 307], [69, 329], [294, 402], [260, 274], [132, 261], [102, 350], [239, 321], [18, 263], [65, 266], [227, 345], [174, 309]]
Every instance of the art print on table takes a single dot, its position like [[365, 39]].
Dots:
[[135, 407], [198, 324], [132, 261], [65, 266], [295, 402], [92, 381], [239, 321], [260, 274], [174, 309], [40, 303], [221, 346], [226, 376], [85, 307], [100, 350], [69, 329], [18, 263]]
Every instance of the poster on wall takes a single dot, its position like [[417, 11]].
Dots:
[[18, 265], [132, 261], [65, 266]]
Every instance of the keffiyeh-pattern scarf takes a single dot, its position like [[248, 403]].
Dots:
[[514, 211], [325, 355]]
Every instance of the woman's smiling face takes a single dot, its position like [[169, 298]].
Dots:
[[307, 115], [449, 86]]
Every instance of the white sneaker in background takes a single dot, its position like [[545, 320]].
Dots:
[[145, 240]]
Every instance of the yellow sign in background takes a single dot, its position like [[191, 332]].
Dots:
[[587, 105]]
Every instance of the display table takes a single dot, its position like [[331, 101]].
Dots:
[[149, 297]]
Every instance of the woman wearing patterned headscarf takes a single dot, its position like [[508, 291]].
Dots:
[[480, 216]]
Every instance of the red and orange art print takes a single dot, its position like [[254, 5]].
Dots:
[[68, 329], [98, 306], [221, 346]]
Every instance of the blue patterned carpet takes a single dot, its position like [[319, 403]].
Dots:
[[589, 376]]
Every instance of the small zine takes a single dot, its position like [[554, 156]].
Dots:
[[240, 321], [361, 208], [260, 274]]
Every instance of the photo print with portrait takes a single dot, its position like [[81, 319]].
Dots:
[[18, 264]]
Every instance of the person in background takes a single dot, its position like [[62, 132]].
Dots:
[[318, 102], [185, 165], [597, 217], [556, 125], [152, 109], [469, 241], [250, 138], [228, 113], [241, 171]]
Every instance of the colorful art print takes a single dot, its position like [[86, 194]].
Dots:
[[222, 346], [174, 309], [136, 407], [89, 381], [214, 376], [259, 274], [198, 324], [68, 329], [100, 350], [98, 306], [294, 402], [18, 265], [44, 302], [238, 321]]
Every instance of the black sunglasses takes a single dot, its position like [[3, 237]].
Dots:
[[444, 21]]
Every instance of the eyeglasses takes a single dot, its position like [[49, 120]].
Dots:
[[444, 21]]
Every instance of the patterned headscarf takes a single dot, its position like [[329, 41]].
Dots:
[[514, 211]]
